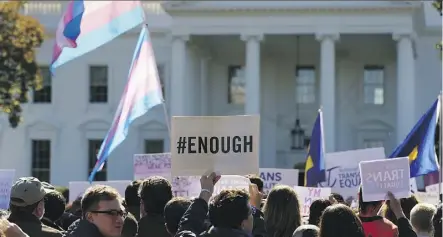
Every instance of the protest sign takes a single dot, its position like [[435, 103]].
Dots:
[[273, 176], [381, 176], [433, 188], [342, 171], [77, 188], [230, 182], [431, 198], [228, 144], [6, 181], [146, 165], [307, 195], [186, 186]]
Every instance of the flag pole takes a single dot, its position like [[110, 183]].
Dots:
[[440, 146]]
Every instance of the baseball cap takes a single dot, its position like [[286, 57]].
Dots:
[[27, 191]]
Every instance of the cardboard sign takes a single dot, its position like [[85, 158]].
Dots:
[[231, 182], [146, 165], [6, 181], [273, 176], [77, 188], [307, 195], [342, 170], [381, 176], [228, 144]]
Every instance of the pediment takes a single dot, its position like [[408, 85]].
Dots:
[[374, 124], [153, 125], [42, 126], [95, 124]]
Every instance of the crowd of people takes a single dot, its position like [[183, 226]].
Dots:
[[149, 209]]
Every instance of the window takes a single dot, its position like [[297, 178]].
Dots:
[[236, 85], [305, 85], [44, 95], [154, 146], [93, 149], [371, 143], [41, 160], [161, 76], [373, 85], [98, 84]]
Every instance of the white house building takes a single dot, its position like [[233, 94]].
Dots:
[[372, 66]]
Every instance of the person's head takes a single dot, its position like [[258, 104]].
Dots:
[[27, 197], [306, 231], [101, 205], [421, 218], [174, 210], [339, 220], [130, 226], [131, 193], [406, 205], [254, 179], [368, 208], [339, 198], [437, 222], [8, 229], [154, 193], [231, 209], [316, 210], [54, 205], [282, 211], [75, 207]]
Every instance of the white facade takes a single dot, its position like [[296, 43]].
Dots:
[[196, 43]]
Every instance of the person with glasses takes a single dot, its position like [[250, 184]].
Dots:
[[103, 214]]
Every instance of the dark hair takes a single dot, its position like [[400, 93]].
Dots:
[[130, 226], [256, 180], [437, 221], [54, 205], [131, 193], [155, 192], [174, 210], [339, 220], [229, 209], [406, 204], [95, 194], [75, 207], [316, 210], [282, 211], [65, 194], [339, 198], [364, 206]]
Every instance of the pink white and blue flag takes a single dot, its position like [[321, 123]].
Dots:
[[87, 25], [142, 92]]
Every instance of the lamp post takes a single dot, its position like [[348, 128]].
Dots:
[[297, 136]]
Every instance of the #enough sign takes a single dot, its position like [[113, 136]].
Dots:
[[227, 144]]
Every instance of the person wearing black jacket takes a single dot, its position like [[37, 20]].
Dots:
[[230, 213]]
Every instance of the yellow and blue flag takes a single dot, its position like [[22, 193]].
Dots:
[[315, 164], [419, 145]]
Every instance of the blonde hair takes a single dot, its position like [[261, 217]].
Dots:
[[421, 217], [3, 226]]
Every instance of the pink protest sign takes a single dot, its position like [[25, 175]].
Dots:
[[307, 195], [146, 165]]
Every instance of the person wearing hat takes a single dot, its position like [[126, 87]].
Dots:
[[27, 207]]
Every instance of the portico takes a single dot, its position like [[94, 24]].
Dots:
[[339, 47]]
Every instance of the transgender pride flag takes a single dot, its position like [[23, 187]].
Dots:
[[87, 25], [143, 91]]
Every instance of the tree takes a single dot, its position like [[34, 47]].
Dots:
[[20, 36]]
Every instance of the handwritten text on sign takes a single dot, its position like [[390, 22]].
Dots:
[[307, 196], [146, 165], [272, 176], [227, 144], [6, 180], [381, 176]]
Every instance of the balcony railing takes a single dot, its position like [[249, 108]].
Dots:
[[57, 7]]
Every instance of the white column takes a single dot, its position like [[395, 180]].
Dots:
[[406, 116], [327, 87], [178, 75], [204, 86], [252, 105]]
